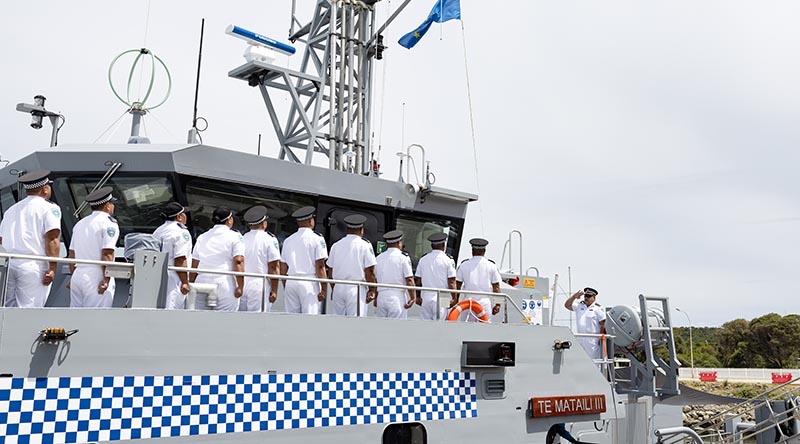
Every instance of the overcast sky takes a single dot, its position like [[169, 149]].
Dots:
[[649, 147]]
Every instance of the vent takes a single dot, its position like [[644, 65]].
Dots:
[[494, 388]]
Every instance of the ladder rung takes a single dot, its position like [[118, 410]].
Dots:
[[660, 329]]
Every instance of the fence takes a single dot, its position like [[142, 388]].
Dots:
[[762, 375]]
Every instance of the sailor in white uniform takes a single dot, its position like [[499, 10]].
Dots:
[[94, 238], [394, 267], [479, 274], [31, 226], [220, 248], [304, 254], [591, 319], [435, 270], [261, 255], [352, 259], [177, 243]]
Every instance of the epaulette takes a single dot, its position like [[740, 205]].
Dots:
[[451, 257], [490, 260], [182, 225], [111, 218], [366, 240], [405, 253], [270, 233], [317, 234], [463, 261]]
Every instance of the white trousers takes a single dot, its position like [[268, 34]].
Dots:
[[301, 297], [392, 305], [346, 300], [83, 289], [25, 287], [430, 306], [226, 285], [592, 347], [175, 299], [252, 295]]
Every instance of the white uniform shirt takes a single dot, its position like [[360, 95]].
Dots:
[[350, 256], [301, 250], [478, 274], [260, 248], [92, 234], [393, 267], [434, 269], [588, 318], [216, 248], [175, 241], [25, 224]]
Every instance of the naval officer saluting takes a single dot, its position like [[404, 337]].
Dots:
[[177, 243], [304, 254], [220, 248], [352, 259], [435, 270], [479, 274], [94, 238], [31, 226], [394, 267], [261, 255]]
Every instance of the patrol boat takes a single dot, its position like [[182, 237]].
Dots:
[[140, 373]]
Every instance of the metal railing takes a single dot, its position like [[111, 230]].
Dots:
[[721, 428], [111, 267]]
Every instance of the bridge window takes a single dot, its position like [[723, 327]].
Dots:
[[204, 196], [418, 228], [413, 433], [140, 201]]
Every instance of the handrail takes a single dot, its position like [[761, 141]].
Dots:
[[126, 265]]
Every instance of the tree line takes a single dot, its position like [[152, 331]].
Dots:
[[769, 341]]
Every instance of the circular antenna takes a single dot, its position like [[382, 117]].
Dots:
[[154, 60]]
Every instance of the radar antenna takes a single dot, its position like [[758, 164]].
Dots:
[[331, 95], [138, 108]]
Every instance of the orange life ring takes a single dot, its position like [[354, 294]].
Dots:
[[468, 304]]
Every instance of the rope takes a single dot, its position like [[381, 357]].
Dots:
[[383, 96], [144, 45], [109, 127], [472, 126]]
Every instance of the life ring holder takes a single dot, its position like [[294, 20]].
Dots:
[[468, 304]]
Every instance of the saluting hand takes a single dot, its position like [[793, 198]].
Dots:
[[238, 292], [49, 275], [273, 297]]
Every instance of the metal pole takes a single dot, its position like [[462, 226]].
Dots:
[[358, 301], [362, 17], [553, 302], [341, 90], [439, 306], [264, 296], [691, 342], [332, 79], [351, 78]]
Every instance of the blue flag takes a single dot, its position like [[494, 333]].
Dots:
[[442, 11]]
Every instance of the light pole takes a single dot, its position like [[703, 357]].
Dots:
[[691, 343]]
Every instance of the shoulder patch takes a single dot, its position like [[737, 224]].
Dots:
[[111, 231], [186, 236], [56, 212]]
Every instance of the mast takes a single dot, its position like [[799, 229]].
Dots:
[[331, 93]]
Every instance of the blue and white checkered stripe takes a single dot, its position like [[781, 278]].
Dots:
[[91, 409]]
